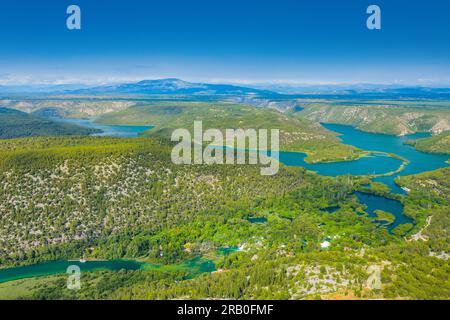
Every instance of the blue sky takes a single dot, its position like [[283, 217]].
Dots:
[[286, 41]]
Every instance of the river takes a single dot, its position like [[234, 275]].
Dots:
[[192, 267], [121, 131], [60, 266], [374, 164], [418, 161]]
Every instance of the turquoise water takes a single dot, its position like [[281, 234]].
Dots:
[[331, 209], [376, 164], [227, 250], [194, 267], [257, 220], [60, 266], [374, 202], [198, 265], [418, 161], [108, 130]]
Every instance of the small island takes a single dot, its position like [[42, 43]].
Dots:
[[384, 217]]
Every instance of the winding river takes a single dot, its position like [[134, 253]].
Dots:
[[377, 163], [60, 266], [121, 131], [191, 267], [418, 161], [374, 164]]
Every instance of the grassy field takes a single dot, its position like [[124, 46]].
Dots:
[[23, 288]]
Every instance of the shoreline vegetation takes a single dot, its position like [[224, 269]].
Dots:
[[171, 219], [438, 144], [402, 166], [386, 218], [391, 173], [196, 265], [310, 156], [296, 134], [388, 117]]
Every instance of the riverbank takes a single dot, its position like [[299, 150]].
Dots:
[[390, 173], [193, 267]]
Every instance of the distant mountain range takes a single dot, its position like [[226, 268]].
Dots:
[[348, 89], [40, 88], [173, 86]]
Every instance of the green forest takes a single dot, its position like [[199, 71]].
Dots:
[[114, 198], [16, 124], [216, 231]]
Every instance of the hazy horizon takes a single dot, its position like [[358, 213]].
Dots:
[[321, 42], [238, 82]]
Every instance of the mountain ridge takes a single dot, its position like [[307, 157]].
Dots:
[[171, 86], [181, 87]]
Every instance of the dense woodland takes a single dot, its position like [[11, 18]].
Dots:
[[294, 235], [16, 124], [64, 197]]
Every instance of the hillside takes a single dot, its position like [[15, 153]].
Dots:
[[66, 107], [382, 116], [430, 199], [108, 198], [296, 134], [58, 191], [436, 144], [15, 124]]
